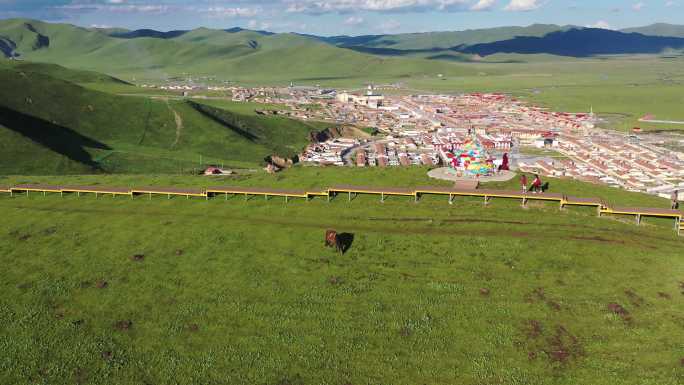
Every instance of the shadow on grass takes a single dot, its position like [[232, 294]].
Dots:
[[344, 242], [59, 139]]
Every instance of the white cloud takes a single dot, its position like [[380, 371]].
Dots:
[[522, 5], [670, 3], [340, 6], [638, 6], [602, 24], [120, 7], [389, 26], [483, 5], [125, 6], [227, 12], [354, 20]]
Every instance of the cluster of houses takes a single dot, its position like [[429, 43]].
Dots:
[[615, 159], [393, 153], [328, 153]]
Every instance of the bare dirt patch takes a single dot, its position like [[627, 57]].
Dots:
[[123, 325], [179, 252], [49, 231], [101, 284], [557, 344], [80, 376], [484, 292], [597, 239], [563, 346], [553, 305], [107, 355], [138, 257], [620, 311], [634, 298], [539, 295], [534, 329]]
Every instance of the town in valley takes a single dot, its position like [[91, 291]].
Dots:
[[425, 129]]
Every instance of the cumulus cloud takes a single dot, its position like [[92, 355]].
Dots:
[[483, 5], [638, 6], [354, 20], [522, 5], [228, 12], [158, 7], [602, 24], [341, 6]]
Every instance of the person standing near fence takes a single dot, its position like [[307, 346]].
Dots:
[[536, 184], [675, 200], [523, 183]]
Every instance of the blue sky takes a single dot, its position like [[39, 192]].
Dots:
[[353, 17]]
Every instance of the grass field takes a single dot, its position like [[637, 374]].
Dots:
[[235, 292]]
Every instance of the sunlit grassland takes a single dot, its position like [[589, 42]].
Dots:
[[243, 292]]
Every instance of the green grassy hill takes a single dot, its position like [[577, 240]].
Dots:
[[244, 55], [235, 292], [442, 40], [50, 125]]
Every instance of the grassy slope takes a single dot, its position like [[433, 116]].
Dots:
[[447, 39], [91, 130], [217, 53], [253, 297]]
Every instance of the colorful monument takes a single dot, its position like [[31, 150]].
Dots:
[[472, 160]]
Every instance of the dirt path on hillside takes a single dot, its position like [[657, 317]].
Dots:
[[179, 123]]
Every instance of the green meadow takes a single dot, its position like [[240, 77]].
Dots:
[[236, 290], [114, 290]]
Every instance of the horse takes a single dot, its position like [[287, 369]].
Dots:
[[341, 242]]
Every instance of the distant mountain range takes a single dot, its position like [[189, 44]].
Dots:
[[263, 57], [659, 29], [580, 43], [535, 39], [440, 40]]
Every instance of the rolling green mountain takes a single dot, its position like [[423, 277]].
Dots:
[[659, 29], [244, 55], [440, 40], [49, 125]]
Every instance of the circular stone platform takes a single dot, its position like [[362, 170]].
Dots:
[[447, 173]]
